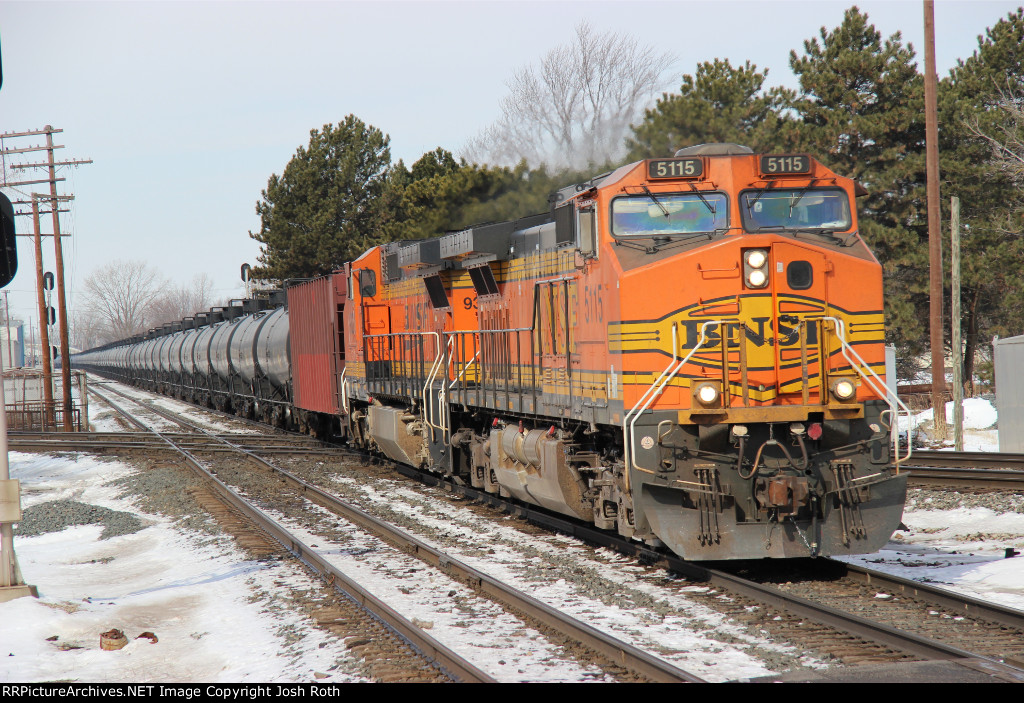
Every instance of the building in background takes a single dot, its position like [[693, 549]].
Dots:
[[12, 345], [1009, 357]]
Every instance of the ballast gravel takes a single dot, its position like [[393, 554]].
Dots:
[[56, 515], [939, 499]]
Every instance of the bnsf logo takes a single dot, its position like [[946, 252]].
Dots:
[[760, 331]]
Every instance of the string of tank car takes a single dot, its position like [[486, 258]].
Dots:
[[619, 658]]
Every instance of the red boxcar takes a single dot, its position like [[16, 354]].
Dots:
[[317, 341]]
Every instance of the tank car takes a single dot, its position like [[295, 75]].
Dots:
[[687, 351], [233, 358]]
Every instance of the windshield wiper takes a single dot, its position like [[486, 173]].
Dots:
[[709, 206], [760, 192], [799, 196], [662, 241], [824, 232], [656, 201]]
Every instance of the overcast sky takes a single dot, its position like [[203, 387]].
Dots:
[[187, 108]]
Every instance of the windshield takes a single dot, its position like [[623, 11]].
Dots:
[[659, 214], [797, 208]]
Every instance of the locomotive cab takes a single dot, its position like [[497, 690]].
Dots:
[[762, 424]]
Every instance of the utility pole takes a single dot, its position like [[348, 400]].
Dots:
[[58, 251], [934, 224], [51, 165], [7, 318], [44, 323], [954, 326]]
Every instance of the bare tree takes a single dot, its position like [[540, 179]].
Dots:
[[87, 329], [1006, 137], [177, 303], [574, 109], [119, 295]]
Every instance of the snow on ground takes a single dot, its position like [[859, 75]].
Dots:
[[959, 543], [217, 616], [663, 620], [199, 600], [221, 618], [159, 580], [980, 433], [102, 419]]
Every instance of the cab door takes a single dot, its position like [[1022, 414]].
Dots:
[[376, 323], [553, 339]]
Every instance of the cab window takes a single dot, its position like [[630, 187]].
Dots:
[[795, 208], [666, 214]]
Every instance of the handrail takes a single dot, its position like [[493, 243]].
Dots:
[[427, 410], [464, 369], [344, 391], [877, 385], [447, 407], [655, 390]]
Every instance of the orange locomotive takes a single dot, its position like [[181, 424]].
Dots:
[[687, 350]]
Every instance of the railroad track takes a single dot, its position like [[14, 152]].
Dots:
[[82, 441], [970, 479], [452, 665], [874, 629], [891, 643], [968, 470], [981, 460], [620, 654]]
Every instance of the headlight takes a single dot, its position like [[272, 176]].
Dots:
[[844, 389], [755, 268], [756, 258], [707, 394]]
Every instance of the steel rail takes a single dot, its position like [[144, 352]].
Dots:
[[619, 652], [256, 424], [842, 621], [251, 438], [997, 479], [951, 600], [981, 460], [127, 441], [103, 445], [454, 665]]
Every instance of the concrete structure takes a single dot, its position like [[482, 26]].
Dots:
[[12, 346], [1009, 366]]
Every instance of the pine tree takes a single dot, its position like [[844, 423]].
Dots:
[[328, 206], [439, 194], [861, 109], [971, 105], [719, 103]]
